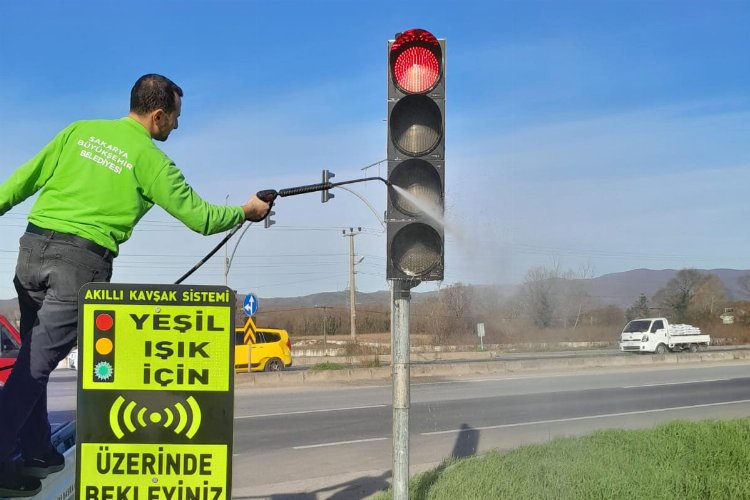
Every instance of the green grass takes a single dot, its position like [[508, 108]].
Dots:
[[327, 365], [680, 460]]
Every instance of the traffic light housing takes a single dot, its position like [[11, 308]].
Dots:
[[325, 195], [104, 346], [416, 157]]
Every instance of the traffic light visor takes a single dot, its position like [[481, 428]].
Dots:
[[416, 249], [415, 61]]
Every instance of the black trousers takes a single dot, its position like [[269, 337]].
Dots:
[[49, 273]]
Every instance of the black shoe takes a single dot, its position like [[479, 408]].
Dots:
[[44, 466], [16, 485]]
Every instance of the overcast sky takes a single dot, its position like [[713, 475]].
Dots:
[[601, 135]]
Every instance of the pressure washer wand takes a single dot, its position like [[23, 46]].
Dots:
[[269, 195]]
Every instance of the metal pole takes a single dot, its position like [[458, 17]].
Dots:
[[352, 289], [400, 299], [226, 253], [325, 333], [352, 286]]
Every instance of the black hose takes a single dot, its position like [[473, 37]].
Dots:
[[210, 254], [269, 195]]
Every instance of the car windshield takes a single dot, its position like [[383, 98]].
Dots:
[[637, 326]]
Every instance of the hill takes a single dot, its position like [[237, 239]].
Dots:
[[620, 289]]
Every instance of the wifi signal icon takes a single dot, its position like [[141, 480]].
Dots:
[[178, 418]]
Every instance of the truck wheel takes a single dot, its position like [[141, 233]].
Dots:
[[274, 365], [661, 349], [693, 348]]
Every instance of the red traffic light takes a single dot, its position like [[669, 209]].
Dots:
[[416, 61]]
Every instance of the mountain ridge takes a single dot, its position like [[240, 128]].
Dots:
[[621, 289]]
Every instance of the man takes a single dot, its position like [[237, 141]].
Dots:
[[96, 179]]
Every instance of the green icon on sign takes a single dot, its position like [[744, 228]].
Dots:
[[103, 371]]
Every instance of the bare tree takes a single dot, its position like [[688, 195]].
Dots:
[[678, 293], [710, 296], [539, 297], [450, 313]]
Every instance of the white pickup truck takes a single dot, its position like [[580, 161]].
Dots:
[[657, 335]]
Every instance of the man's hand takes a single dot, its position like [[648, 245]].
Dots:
[[256, 209]]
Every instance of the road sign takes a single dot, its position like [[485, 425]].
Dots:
[[155, 391], [250, 304], [480, 329]]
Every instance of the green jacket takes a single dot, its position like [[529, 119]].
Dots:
[[99, 177]]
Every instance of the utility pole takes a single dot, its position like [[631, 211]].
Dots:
[[325, 329], [352, 286]]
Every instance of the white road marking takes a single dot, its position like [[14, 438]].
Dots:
[[321, 445], [676, 383], [309, 411], [588, 417]]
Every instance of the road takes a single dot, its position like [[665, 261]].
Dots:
[[335, 442]]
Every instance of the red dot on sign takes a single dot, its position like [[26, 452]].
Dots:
[[104, 322]]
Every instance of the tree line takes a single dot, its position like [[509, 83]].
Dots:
[[549, 306]]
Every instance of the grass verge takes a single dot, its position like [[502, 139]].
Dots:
[[686, 460]]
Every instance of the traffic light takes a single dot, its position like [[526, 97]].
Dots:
[[104, 346], [416, 156], [268, 221], [324, 194]]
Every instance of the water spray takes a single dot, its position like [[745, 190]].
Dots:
[[269, 196]]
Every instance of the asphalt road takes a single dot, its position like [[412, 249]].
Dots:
[[335, 442]]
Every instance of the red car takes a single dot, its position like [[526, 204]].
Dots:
[[10, 343]]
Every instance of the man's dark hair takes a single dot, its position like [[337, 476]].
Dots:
[[152, 92]]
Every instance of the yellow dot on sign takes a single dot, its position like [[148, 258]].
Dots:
[[155, 417], [104, 346]]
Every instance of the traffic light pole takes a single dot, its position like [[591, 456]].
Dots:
[[415, 149], [400, 300]]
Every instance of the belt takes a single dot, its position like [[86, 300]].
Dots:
[[76, 240]]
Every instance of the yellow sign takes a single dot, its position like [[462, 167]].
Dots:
[[156, 347], [155, 392], [153, 472]]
